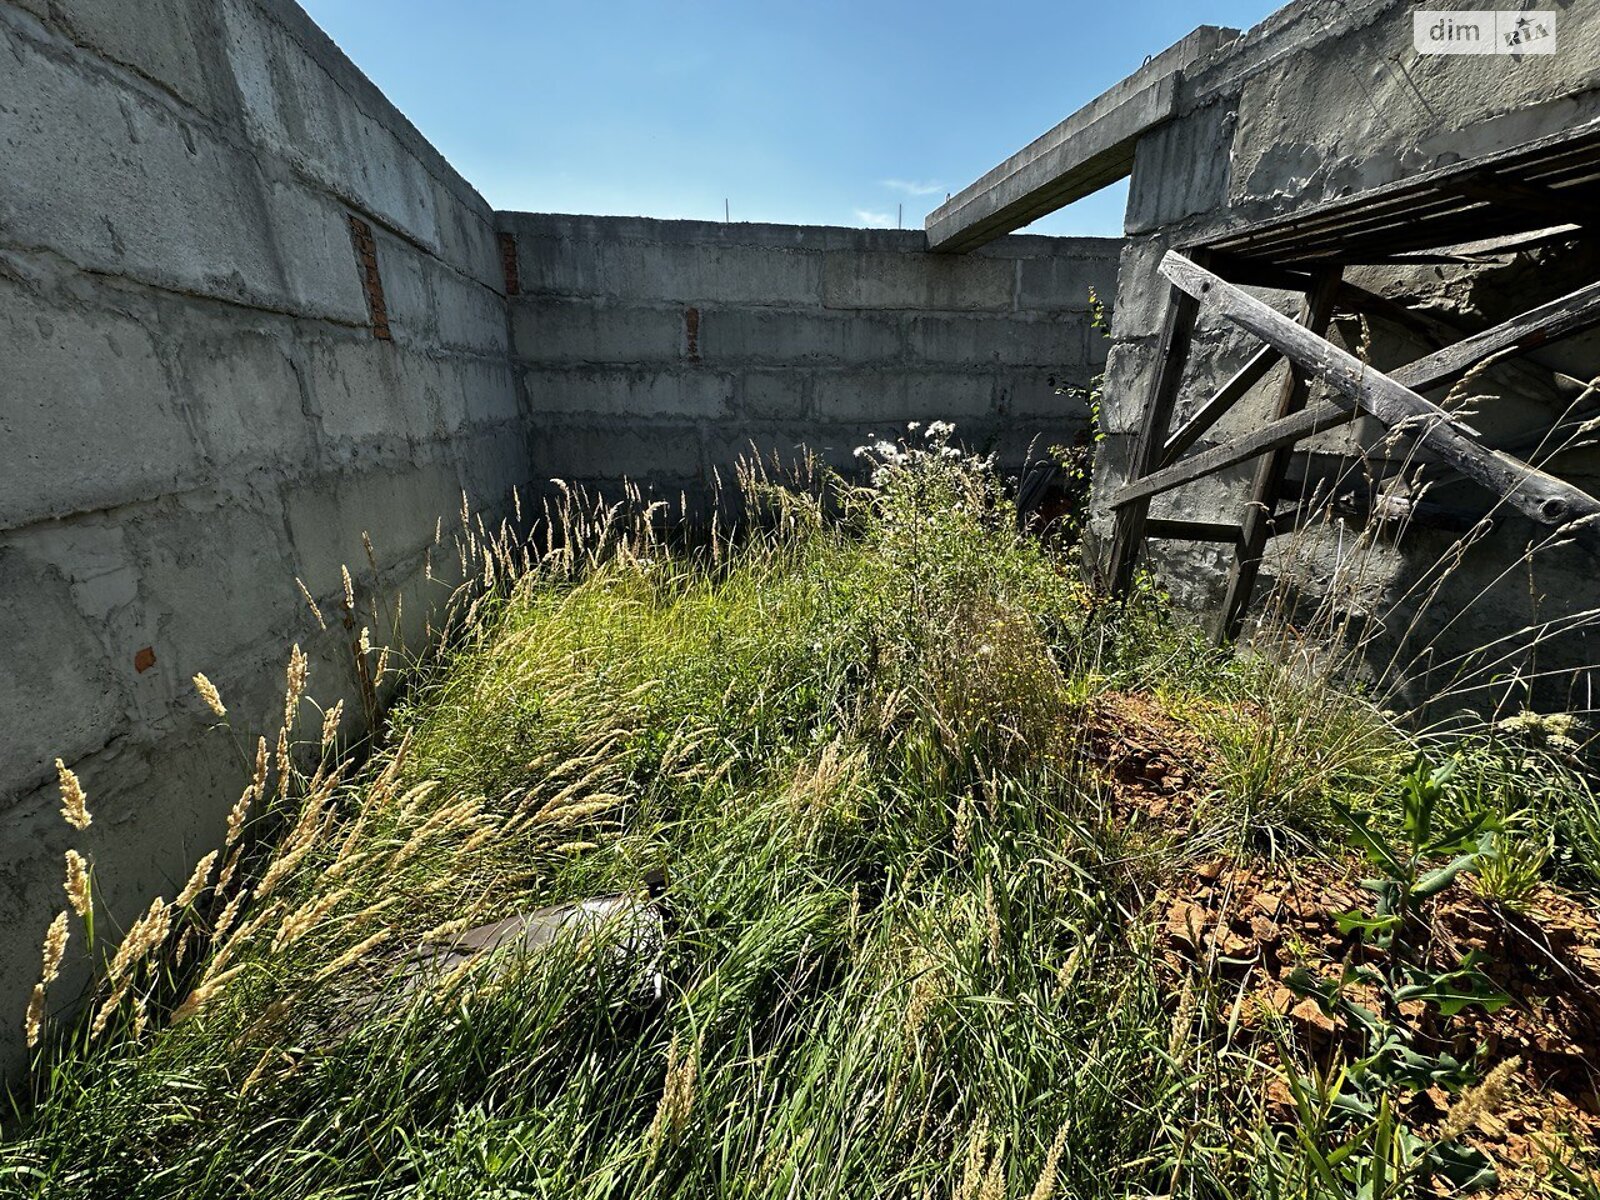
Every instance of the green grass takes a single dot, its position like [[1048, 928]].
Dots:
[[906, 948]]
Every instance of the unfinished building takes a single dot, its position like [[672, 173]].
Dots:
[[251, 319]]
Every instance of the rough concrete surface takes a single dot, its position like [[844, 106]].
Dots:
[[1319, 102], [663, 350], [195, 411], [196, 407], [205, 394]]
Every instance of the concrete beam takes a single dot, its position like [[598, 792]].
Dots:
[[1090, 149]]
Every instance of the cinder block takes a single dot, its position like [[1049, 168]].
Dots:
[[88, 414], [659, 452], [429, 304], [489, 391], [1181, 169], [1027, 395], [215, 586], [669, 271], [467, 239], [113, 180], [397, 505], [491, 461], [1129, 377], [771, 395], [295, 107], [898, 396], [173, 42], [922, 281], [548, 329], [60, 693], [1052, 284], [795, 336], [1142, 302], [243, 388], [1002, 341], [686, 393], [321, 277], [784, 444], [369, 390]]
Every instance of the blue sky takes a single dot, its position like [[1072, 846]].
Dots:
[[819, 112]]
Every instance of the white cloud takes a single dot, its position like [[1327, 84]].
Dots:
[[913, 188], [875, 220]]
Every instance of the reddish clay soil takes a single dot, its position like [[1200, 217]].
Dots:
[[1246, 925]]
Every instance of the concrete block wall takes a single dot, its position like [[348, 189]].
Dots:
[[1319, 102], [662, 350], [194, 410]]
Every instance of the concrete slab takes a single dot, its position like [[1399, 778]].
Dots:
[[1090, 149]]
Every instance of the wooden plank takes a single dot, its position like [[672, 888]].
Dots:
[[1570, 314], [1127, 535], [1270, 469], [1529, 197], [1564, 157], [1537, 495], [1190, 531], [1229, 394], [1562, 317], [1271, 436]]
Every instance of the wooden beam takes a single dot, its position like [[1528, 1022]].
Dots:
[[1570, 314], [1127, 534], [1541, 497], [1562, 317], [1270, 469], [1229, 394], [1519, 194], [1272, 436]]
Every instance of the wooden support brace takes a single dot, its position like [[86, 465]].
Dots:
[[1537, 495], [1268, 484], [1227, 396], [1127, 534], [1539, 326]]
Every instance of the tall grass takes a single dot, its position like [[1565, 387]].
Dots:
[[903, 948]]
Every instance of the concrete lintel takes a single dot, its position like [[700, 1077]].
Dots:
[[1090, 149]]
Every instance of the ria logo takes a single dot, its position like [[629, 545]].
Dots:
[[1473, 31]]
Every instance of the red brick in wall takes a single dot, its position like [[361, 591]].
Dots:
[[371, 283]]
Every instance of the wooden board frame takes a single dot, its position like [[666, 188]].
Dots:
[[1507, 193]]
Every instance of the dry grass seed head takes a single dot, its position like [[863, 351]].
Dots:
[[77, 883], [112, 1003], [977, 1155], [204, 994], [677, 1095], [306, 918], [208, 693], [1480, 1101], [305, 594], [148, 932], [294, 685], [330, 723], [33, 1019], [238, 813], [355, 954], [55, 949], [197, 880], [230, 912], [1044, 1188], [74, 802]]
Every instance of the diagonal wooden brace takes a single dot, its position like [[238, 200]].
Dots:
[[1534, 493]]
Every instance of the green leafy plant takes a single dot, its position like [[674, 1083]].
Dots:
[[1396, 1058]]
